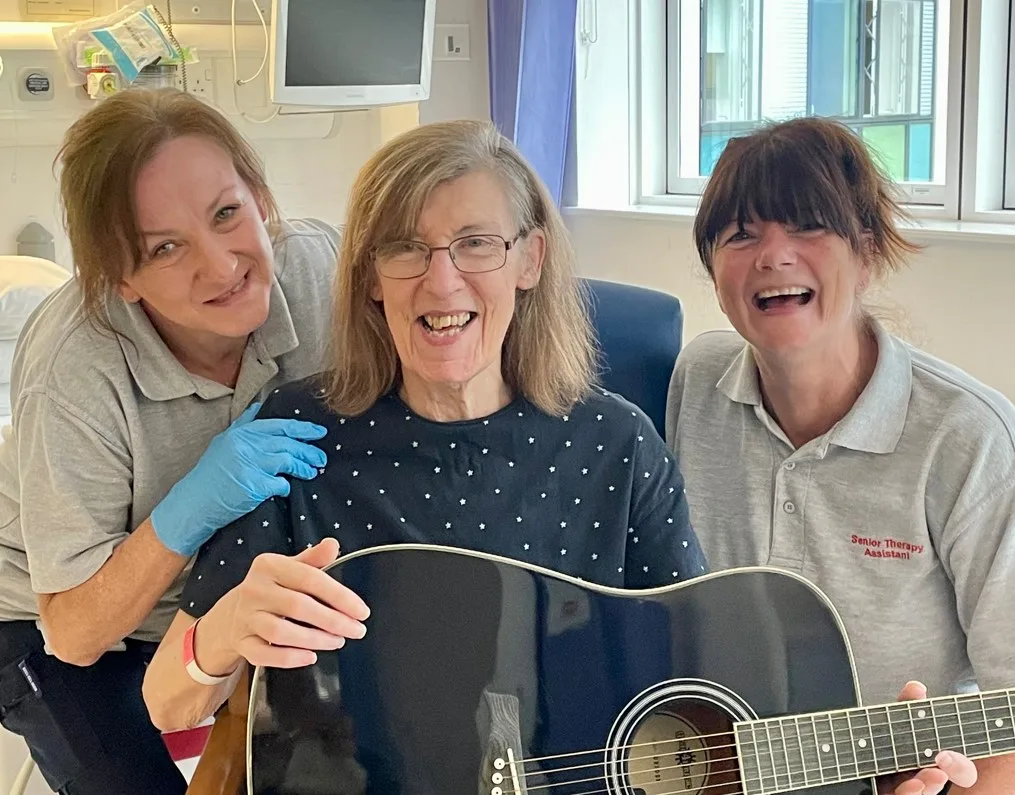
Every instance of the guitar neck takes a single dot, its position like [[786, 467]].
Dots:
[[795, 752]]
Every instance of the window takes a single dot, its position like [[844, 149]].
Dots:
[[1009, 169], [879, 66], [928, 84]]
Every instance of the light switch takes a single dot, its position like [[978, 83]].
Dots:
[[451, 43]]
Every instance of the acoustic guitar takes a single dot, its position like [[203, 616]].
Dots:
[[483, 676]]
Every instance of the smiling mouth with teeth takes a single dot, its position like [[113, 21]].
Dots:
[[782, 296], [226, 296], [445, 325]]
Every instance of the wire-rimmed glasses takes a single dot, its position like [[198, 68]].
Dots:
[[407, 259]]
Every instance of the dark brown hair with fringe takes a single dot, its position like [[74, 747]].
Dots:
[[805, 172]]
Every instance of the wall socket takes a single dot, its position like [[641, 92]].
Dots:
[[200, 81], [451, 43]]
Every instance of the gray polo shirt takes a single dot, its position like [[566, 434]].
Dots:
[[104, 425], [902, 513]]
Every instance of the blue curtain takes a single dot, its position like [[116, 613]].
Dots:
[[532, 80]]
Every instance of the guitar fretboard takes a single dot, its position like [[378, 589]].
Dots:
[[786, 754]]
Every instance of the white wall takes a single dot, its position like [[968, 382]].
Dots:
[[461, 89], [956, 299], [309, 176]]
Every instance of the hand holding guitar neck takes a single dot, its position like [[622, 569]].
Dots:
[[951, 766]]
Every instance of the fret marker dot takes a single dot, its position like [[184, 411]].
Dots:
[[928, 753], [921, 714], [826, 747], [862, 743], [999, 723]]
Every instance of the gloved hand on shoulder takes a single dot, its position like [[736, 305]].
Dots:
[[242, 467]]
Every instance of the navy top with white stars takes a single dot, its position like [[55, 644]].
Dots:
[[594, 494]]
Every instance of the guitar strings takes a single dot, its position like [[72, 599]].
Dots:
[[745, 741], [732, 787], [1006, 710], [945, 740], [789, 771]]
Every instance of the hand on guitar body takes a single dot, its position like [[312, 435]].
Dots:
[[286, 609], [951, 766]]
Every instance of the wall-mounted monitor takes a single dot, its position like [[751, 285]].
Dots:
[[351, 53]]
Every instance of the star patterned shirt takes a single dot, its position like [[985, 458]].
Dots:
[[593, 494]]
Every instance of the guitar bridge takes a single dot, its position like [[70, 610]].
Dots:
[[511, 767]]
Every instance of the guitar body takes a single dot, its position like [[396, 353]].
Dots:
[[482, 676]]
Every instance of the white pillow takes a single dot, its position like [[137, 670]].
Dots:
[[24, 284], [6, 359]]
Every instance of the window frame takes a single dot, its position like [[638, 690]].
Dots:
[[621, 137], [927, 200], [987, 153], [1008, 156]]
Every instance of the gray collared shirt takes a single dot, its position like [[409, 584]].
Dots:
[[105, 424], [902, 513]]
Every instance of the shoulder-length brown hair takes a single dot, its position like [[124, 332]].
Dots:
[[807, 171], [549, 352], [101, 158]]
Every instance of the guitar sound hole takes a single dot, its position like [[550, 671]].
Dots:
[[683, 746]]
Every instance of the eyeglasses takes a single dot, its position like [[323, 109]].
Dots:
[[407, 259]]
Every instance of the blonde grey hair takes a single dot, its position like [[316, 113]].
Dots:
[[549, 352]]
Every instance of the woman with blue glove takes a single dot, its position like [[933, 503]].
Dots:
[[134, 436]]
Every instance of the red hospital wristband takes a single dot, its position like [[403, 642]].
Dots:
[[190, 662]]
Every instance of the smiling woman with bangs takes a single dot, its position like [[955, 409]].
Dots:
[[814, 440]]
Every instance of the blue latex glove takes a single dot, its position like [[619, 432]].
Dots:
[[242, 467]]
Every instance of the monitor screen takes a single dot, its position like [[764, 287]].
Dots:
[[354, 42]]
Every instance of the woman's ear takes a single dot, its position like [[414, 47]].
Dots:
[[262, 208], [865, 277], [533, 253], [128, 293]]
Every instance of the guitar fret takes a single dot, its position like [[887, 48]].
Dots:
[[962, 732], [761, 763], [863, 744], [803, 756], [1011, 718], [747, 758], [750, 764], [974, 729], [986, 723], [817, 749], [1000, 725], [937, 734], [757, 757], [886, 755], [771, 754], [785, 753], [835, 748], [871, 739], [850, 744], [927, 746], [903, 740], [946, 709]]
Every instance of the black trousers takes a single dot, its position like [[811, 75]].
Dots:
[[87, 728]]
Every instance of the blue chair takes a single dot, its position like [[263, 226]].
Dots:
[[639, 332]]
